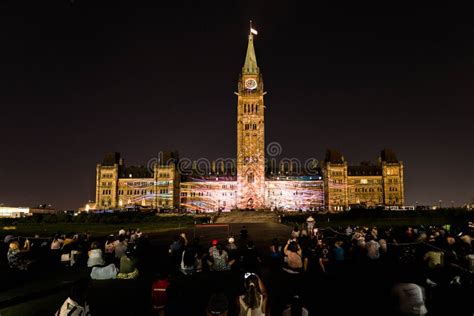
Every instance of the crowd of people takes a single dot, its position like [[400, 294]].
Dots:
[[415, 269], [409, 271]]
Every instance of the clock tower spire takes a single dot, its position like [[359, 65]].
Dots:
[[250, 65], [250, 133]]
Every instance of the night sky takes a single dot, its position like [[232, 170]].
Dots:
[[79, 79]]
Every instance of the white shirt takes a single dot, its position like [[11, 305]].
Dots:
[[71, 308], [410, 298], [104, 273], [373, 249], [95, 258]]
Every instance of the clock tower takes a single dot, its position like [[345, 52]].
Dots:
[[250, 134]]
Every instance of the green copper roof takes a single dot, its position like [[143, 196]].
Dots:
[[250, 65]]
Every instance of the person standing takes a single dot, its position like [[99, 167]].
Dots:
[[293, 253], [310, 224], [254, 300], [219, 259]]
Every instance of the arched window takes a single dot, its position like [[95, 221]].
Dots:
[[256, 109], [252, 107]]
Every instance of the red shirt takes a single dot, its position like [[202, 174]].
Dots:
[[158, 294]]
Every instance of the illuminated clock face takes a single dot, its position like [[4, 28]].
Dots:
[[250, 84]]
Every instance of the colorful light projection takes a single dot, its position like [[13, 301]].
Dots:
[[295, 195], [145, 192], [209, 196]]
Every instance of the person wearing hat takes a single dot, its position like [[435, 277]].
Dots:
[[218, 305], [231, 246], [232, 249], [213, 246]]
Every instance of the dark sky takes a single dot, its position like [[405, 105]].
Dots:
[[78, 79]]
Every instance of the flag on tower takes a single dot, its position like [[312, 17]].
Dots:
[[252, 30]]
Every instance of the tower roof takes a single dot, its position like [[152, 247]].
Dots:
[[333, 156], [250, 65], [389, 156]]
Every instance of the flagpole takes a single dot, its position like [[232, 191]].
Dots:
[[250, 30]]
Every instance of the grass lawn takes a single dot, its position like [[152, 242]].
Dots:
[[40, 306], [382, 219], [167, 222], [49, 229], [381, 222], [102, 224]]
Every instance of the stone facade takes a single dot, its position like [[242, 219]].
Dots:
[[118, 186], [365, 185], [250, 134]]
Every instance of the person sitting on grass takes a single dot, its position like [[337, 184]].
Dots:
[[120, 247], [127, 267], [57, 242], [15, 257], [76, 304], [139, 233], [95, 256], [108, 272], [69, 240], [110, 245]]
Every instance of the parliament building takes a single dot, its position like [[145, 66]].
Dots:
[[251, 181]]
